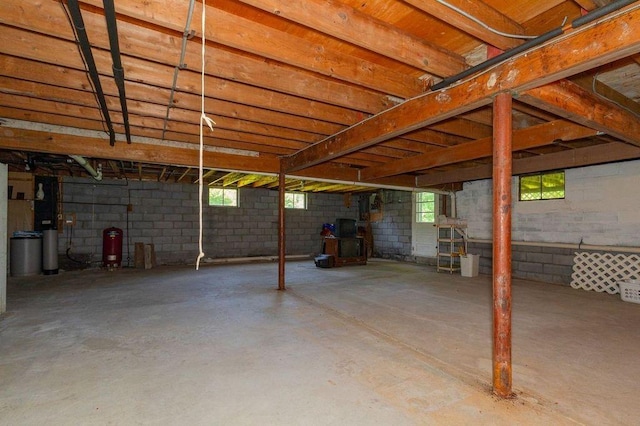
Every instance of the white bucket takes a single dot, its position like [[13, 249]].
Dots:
[[469, 265]]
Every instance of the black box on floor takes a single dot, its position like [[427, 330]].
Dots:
[[325, 261]]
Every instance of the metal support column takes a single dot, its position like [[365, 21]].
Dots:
[[502, 164], [281, 233]]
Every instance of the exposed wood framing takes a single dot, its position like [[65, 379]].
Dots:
[[36, 141], [579, 157], [481, 11], [348, 24], [535, 136], [571, 101], [577, 51]]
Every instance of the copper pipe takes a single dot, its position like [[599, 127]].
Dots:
[[281, 233], [502, 163]]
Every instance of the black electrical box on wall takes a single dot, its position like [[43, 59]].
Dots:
[[45, 203]]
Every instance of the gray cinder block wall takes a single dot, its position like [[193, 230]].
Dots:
[[166, 215], [392, 234], [548, 264], [598, 210]]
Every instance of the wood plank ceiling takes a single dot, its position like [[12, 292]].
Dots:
[[331, 90]]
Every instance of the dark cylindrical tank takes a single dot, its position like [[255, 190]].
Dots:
[[112, 247], [50, 251], [26, 256]]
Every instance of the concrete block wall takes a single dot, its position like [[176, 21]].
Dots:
[[537, 263], [600, 208], [392, 234], [252, 228], [166, 215]]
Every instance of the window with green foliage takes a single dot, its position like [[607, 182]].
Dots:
[[542, 186], [227, 197], [425, 207], [295, 200]]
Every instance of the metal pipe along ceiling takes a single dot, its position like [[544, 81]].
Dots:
[[118, 72], [590, 17], [85, 47], [186, 35]]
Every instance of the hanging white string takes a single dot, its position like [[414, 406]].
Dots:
[[210, 123]]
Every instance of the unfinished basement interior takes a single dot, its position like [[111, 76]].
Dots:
[[325, 212]]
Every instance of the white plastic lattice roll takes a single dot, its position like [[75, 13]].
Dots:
[[602, 271]]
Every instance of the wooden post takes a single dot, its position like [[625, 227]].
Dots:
[[502, 164], [281, 233]]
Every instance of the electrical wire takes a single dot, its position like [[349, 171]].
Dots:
[[482, 24], [483, 71]]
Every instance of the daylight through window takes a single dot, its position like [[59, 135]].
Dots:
[[227, 197], [295, 200], [542, 186], [425, 207]]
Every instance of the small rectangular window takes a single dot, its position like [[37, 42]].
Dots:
[[295, 200], [425, 207], [542, 186], [227, 197]]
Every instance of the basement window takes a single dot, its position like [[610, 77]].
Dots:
[[542, 186], [425, 207], [226, 197], [295, 200]]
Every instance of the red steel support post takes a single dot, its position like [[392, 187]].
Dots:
[[281, 234], [502, 164]]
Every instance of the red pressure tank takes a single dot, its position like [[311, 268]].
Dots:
[[112, 247]]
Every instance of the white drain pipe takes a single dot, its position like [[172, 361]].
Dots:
[[97, 175]]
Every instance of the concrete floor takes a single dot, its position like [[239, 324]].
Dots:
[[387, 343]]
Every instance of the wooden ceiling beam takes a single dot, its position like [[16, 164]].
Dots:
[[151, 111], [346, 23], [114, 167], [148, 44], [227, 65], [534, 112], [581, 157], [184, 174], [482, 12], [54, 143], [264, 180], [577, 51], [233, 92], [569, 100], [232, 178], [409, 145], [326, 187], [591, 84], [248, 180], [162, 173], [15, 84], [36, 105], [482, 116], [543, 134], [331, 172], [587, 5], [64, 144], [434, 138], [240, 33], [181, 132], [50, 100], [208, 173], [463, 127]]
